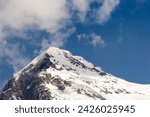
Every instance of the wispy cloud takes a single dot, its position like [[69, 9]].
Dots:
[[105, 11], [82, 6], [92, 39], [13, 55], [102, 14]]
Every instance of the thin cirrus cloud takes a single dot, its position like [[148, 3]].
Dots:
[[105, 11], [82, 6], [52, 16], [12, 55], [91, 39]]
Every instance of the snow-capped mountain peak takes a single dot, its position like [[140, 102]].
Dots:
[[57, 74]]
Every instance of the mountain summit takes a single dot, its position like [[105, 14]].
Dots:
[[58, 75]]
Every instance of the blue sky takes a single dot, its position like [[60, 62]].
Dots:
[[112, 34]]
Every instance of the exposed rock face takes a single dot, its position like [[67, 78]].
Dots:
[[29, 84], [57, 74]]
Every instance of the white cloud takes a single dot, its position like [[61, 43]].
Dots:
[[92, 39], [16, 16], [97, 40], [82, 6], [46, 14], [105, 11], [52, 16]]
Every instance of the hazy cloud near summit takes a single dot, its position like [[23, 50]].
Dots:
[[18, 16]]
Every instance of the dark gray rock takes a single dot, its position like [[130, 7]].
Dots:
[[43, 64], [27, 87]]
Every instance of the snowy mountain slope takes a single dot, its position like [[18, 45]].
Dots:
[[57, 74]]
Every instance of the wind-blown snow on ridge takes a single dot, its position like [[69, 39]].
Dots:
[[57, 74]]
